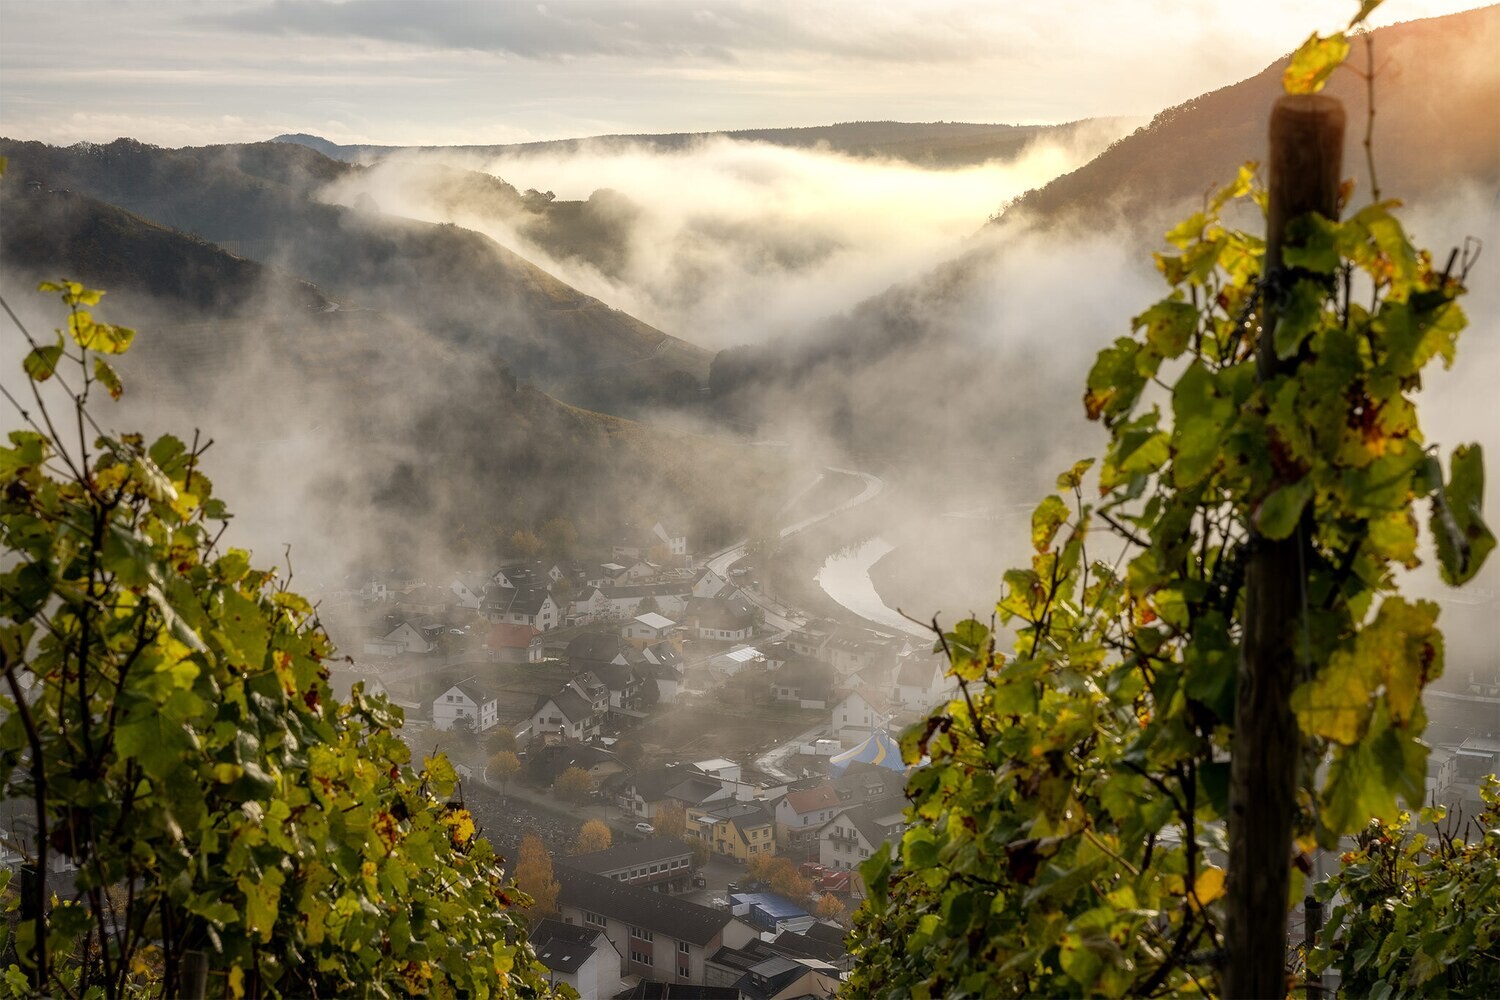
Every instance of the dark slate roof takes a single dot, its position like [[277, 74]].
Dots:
[[547, 763], [744, 959], [770, 977], [663, 914], [564, 947], [515, 601], [665, 653], [475, 693], [695, 790], [826, 947], [574, 706], [594, 647], [629, 854], [653, 784], [917, 670], [672, 588], [711, 612]]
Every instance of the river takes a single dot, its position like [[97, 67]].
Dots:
[[845, 577]]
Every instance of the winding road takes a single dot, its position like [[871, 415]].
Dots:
[[778, 615]]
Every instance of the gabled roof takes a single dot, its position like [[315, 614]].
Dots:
[[917, 670], [573, 706], [565, 947], [475, 692], [695, 790], [515, 600], [653, 784], [872, 819], [809, 800], [640, 907], [663, 653], [594, 647], [746, 815]]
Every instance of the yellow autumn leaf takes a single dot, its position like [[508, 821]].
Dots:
[[1208, 887], [1314, 63], [236, 982]]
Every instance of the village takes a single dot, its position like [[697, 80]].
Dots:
[[741, 755]]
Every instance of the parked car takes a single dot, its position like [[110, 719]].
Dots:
[[644, 828]]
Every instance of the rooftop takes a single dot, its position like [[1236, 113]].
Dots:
[[654, 911], [629, 854], [653, 620]]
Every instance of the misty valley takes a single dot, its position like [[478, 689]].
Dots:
[[707, 585]]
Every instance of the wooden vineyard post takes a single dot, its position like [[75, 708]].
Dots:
[[1306, 147]]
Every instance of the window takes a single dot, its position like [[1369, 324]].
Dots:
[[753, 849], [864, 853], [682, 947], [805, 819], [641, 934], [597, 919], [640, 957]]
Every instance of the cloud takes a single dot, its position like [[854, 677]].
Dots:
[[728, 242]]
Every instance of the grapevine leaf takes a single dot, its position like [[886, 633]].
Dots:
[[107, 378], [1464, 541], [1314, 62], [1045, 520], [1278, 514], [41, 362]]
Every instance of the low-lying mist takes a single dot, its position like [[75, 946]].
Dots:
[[726, 241]]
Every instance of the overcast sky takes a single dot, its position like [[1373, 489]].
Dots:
[[179, 72]]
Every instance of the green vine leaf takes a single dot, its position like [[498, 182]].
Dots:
[[1314, 62]]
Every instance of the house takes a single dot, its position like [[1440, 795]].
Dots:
[[665, 664], [822, 942], [586, 610], [661, 936], [521, 606], [650, 627], [673, 537], [802, 813], [1474, 760], [811, 638], [850, 653], [803, 681], [708, 583], [607, 574], [731, 662], [544, 765], [848, 839], [741, 830], [406, 637], [661, 864], [858, 715], [521, 574], [567, 713], [670, 598], [468, 589], [592, 650], [1442, 767], [425, 600], [509, 643], [582, 957], [665, 539], [465, 700], [643, 793], [781, 978], [770, 913], [632, 690], [713, 618], [922, 681]]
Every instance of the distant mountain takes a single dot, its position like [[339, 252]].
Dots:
[[928, 144], [378, 438], [260, 201], [1436, 126], [920, 375]]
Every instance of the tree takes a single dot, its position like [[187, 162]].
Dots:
[[503, 765], [787, 881], [169, 722], [830, 907], [575, 784], [671, 819], [1060, 836], [524, 544], [500, 738], [462, 728], [535, 877], [593, 836]]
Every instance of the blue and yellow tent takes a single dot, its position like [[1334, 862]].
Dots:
[[878, 749]]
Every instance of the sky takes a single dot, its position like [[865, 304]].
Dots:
[[437, 72]]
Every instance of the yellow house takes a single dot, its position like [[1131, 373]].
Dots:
[[741, 830]]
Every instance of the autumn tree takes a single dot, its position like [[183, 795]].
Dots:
[[593, 836], [671, 819], [500, 738], [535, 877], [559, 538], [169, 726], [524, 544], [575, 785], [830, 907], [503, 766]]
